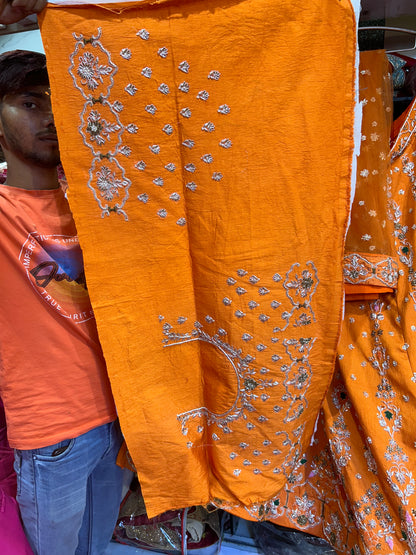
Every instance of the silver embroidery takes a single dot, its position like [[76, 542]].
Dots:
[[155, 149], [191, 186], [181, 221], [214, 75], [130, 89], [226, 143], [118, 106], [209, 127], [99, 129], [184, 66], [190, 168], [186, 112], [170, 167], [143, 34], [108, 183], [224, 109], [207, 158], [162, 213], [203, 95], [132, 128], [92, 70], [147, 72], [125, 150], [168, 129], [151, 109], [144, 197], [163, 52], [158, 181], [240, 366], [217, 176], [141, 165], [125, 53], [184, 86], [189, 143], [163, 88], [264, 318], [175, 197]]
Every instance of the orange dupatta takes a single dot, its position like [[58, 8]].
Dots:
[[209, 164]]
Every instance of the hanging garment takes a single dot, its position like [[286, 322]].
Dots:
[[357, 486], [209, 167]]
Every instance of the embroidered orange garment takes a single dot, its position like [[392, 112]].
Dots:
[[357, 485], [370, 267], [209, 164]]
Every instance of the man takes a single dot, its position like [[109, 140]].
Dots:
[[12, 11], [60, 412]]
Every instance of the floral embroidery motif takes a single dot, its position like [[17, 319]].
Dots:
[[95, 76], [93, 72], [360, 269], [252, 364]]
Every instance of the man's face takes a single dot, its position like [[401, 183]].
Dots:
[[27, 129]]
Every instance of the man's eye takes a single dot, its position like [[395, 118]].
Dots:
[[30, 105]]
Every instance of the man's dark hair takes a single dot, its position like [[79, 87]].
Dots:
[[20, 69]]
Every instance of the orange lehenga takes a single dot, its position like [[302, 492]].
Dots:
[[209, 167], [357, 489]]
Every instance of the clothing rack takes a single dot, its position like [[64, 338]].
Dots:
[[394, 29], [384, 28]]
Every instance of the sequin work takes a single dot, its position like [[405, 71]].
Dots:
[[356, 486]]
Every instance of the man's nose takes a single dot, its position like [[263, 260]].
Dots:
[[48, 119]]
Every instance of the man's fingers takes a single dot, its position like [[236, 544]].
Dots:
[[30, 6], [12, 11]]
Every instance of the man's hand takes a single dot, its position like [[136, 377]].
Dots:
[[12, 11]]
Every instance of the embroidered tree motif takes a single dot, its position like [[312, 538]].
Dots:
[[108, 184], [99, 129], [91, 71]]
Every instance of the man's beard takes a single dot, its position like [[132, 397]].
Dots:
[[46, 159]]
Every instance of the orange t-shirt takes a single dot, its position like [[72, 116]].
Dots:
[[53, 378]]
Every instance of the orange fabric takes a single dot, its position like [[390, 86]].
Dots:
[[370, 265], [370, 228], [52, 374], [208, 162], [357, 485], [357, 292]]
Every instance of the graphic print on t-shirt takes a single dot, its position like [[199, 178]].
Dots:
[[55, 268]]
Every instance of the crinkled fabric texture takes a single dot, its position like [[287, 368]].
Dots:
[[209, 165]]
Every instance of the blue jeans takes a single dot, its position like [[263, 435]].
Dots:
[[69, 493]]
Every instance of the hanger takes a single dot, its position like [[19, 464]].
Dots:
[[395, 29]]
